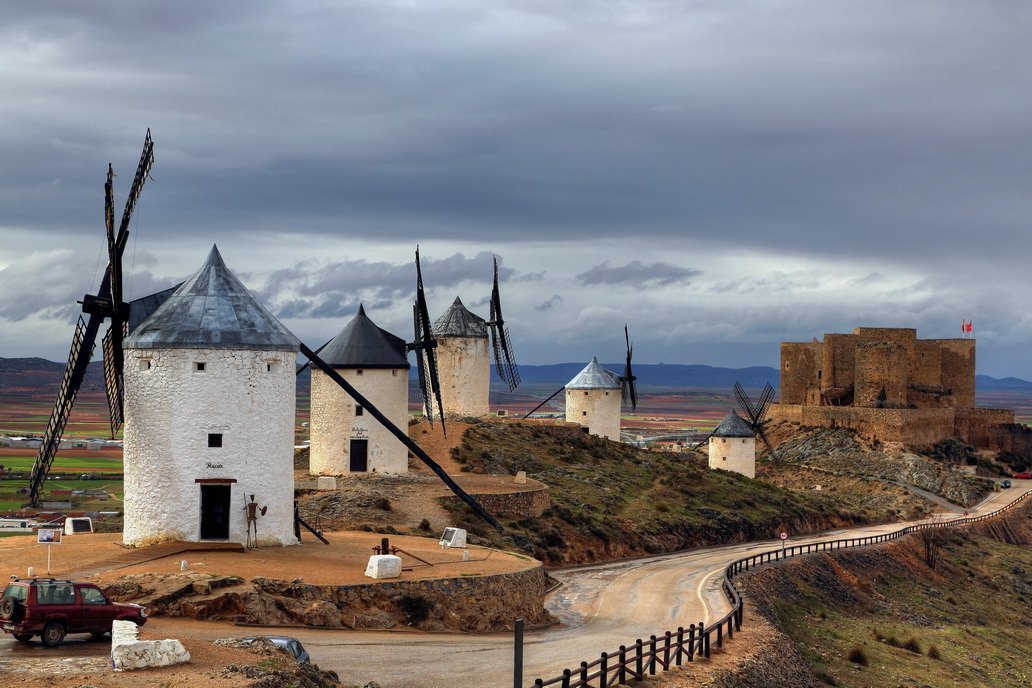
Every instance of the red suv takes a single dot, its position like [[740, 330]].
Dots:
[[51, 608]]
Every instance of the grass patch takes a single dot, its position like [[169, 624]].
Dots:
[[614, 500]]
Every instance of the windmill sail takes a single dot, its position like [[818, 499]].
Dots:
[[106, 304], [504, 358], [425, 345], [628, 382]]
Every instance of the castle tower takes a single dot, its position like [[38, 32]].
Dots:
[[209, 416], [463, 361], [732, 446], [593, 401], [345, 439]]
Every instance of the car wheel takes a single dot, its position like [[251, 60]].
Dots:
[[53, 633], [23, 637]]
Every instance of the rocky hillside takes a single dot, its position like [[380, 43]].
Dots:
[[952, 611], [840, 453], [611, 500]]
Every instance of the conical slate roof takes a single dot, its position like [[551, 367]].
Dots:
[[212, 309], [458, 321], [361, 344], [733, 426], [594, 376]]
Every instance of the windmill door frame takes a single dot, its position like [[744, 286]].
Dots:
[[358, 456], [215, 511]]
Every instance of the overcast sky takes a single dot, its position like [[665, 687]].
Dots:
[[720, 175]]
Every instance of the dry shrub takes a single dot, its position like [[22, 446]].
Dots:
[[858, 656]]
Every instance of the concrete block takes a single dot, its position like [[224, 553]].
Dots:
[[128, 653], [521, 477], [383, 566], [326, 483]]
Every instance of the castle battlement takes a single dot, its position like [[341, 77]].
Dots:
[[887, 384]]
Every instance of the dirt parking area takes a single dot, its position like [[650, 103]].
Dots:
[[342, 562]]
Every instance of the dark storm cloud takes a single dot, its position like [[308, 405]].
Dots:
[[637, 273], [897, 126], [549, 304], [887, 138], [333, 290]]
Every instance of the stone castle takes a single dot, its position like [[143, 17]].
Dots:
[[889, 385]]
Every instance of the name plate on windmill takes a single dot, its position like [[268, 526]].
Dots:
[[210, 464], [359, 433]]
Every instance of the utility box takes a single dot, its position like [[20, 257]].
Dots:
[[453, 537]]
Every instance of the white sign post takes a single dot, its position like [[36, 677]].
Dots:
[[49, 537], [784, 536]]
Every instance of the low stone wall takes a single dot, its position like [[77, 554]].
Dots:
[[986, 428], [127, 652], [514, 505], [469, 603], [911, 426]]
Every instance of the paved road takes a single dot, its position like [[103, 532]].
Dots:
[[600, 606]]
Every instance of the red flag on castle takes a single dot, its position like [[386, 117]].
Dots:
[[965, 325]]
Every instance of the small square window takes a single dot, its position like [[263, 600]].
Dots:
[[584, 413], [215, 439], [394, 373], [200, 366], [358, 372], [145, 364], [359, 410], [585, 394], [268, 367]]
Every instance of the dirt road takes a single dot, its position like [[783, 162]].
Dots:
[[601, 607]]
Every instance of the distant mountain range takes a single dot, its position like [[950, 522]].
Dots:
[[39, 373]]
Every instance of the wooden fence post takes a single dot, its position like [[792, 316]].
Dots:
[[584, 674], [680, 645], [691, 643], [639, 666], [652, 655], [706, 643], [566, 678], [666, 652], [720, 635], [603, 668], [622, 670]]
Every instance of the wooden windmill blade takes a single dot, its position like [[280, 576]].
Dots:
[[554, 395], [766, 396], [504, 358], [629, 383], [106, 304], [745, 403], [425, 345], [424, 390], [402, 436]]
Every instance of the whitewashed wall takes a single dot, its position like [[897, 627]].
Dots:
[[596, 409], [334, 423], [736, 454], [465, 368], [170, 408]]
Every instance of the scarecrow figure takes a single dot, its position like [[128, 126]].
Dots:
[[252, 521]]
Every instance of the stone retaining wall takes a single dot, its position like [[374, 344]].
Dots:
[[467, 603], [514, 505]]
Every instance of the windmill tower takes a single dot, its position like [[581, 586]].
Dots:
[[463, 358], [595, 396], [209, 405], [732, 446], [346, 439]]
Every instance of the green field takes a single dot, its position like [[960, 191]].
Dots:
[[10, 499], [64, 463]]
